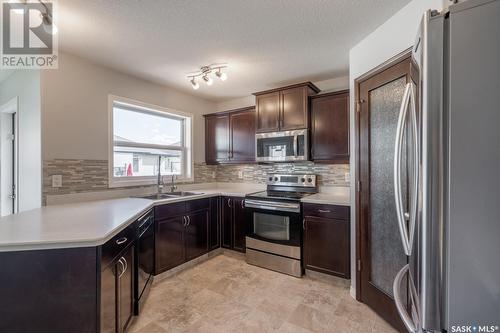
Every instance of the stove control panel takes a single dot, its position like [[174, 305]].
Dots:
[[296, 180]]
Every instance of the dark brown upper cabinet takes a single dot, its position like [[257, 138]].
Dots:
[[217, 141], [330, 127], [230, 137], [285, 108]]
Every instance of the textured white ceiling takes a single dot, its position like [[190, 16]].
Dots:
[[267, 43]]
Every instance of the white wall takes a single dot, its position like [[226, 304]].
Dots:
[[25, 84], [75, 108], [392, 37], [334, 84]]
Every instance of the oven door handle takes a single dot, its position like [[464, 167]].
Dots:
[[295, 146], [276, 206]]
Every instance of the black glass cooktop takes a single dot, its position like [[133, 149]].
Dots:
[[279, 195]]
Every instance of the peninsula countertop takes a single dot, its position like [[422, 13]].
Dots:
[[83, 224]]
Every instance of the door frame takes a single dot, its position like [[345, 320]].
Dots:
[[12, 107]]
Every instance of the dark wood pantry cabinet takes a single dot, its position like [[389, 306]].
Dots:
[[330, 127], [182, 232], [230, 137], [233, 223], [285, 108], [327, 239]]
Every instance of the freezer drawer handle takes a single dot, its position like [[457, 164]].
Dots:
[[407, 103], [410, 323]]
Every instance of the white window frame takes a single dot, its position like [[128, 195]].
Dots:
[[156, 110]]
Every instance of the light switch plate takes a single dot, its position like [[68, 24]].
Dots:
[[347, 176], [56, 180], [214, 174], [240, 174]]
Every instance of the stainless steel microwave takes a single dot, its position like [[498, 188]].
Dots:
[[282, 146]]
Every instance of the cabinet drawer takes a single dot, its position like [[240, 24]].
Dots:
[[170, 210], [193, 205], [115, 245], [326, 211]]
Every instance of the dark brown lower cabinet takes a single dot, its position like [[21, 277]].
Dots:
[[214, 229], [169, 243], [327, 239], [182, 233], [117, 292], [196, 234], [233, 223]]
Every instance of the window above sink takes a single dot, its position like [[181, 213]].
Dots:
[[139, 135]]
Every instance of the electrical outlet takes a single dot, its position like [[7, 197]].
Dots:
[[240, 174], [347, 176], [56, 180]]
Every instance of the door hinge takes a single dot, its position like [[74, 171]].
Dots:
[[12, 137], [358, 186], [358, 105], [359, 265]]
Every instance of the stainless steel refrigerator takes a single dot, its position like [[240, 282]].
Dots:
[[451, 231]]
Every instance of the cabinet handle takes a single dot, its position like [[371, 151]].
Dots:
[[121, 240], [304, 224], [324, 211], [184, 221], [123, 267], [242, 204], [229, 203], [188, 220]]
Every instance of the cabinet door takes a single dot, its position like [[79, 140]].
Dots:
[[125, 270], [294, 109], [196, 234], [217, 139], [227, 221], [169, 243], [239, 227], [108, 299], [243, 136], [214, 224], [326, 246], [268, 112], [330, 143]]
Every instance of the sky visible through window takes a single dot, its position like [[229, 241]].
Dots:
[[146, 128]]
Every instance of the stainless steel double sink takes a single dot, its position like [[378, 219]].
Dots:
[[170, 195]]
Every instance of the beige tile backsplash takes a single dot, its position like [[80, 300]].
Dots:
[[92, 175]]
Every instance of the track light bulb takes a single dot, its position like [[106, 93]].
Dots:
[[208, 80], [195, 84], [221, 75]]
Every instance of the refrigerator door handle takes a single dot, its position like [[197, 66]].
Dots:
[[410, 321], [407, 103]]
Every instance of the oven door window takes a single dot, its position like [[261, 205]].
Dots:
[[272, 227]]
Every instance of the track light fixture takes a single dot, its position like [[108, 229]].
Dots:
[[194, 84], [205, 73]]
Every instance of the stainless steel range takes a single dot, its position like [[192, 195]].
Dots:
[[274, 223]]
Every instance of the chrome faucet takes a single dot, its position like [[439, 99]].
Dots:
[[160, 179], [173, 187]]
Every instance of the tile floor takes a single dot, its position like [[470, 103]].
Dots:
[[224, 294]]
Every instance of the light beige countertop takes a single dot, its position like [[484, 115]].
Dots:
[[330, 196], [88, 223]]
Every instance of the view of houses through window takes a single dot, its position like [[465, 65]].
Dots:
[[145, 140]]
